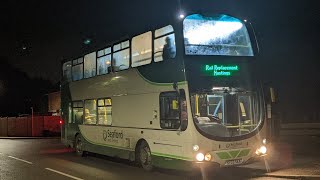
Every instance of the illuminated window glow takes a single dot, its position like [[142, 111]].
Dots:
[[211, 31], [219, 35]]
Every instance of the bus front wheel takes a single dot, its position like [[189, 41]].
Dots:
[[144, 156], [79, 146]]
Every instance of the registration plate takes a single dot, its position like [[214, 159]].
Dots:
[[233, 162]]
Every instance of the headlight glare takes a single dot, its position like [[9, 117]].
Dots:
[[264, 141], [262, 150], [200, 157]]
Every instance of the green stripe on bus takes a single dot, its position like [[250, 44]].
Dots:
[[234, 154], [171, 156], [159, 84], [223, 155], [244, 152]]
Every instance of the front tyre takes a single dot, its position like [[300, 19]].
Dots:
[[79, 146], [144, 156]]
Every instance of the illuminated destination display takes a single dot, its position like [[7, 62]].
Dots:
[[220, 70]]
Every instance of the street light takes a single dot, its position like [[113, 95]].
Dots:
[[181, 16]]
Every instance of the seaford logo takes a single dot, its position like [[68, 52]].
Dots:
[[109, 135], [221, 70]]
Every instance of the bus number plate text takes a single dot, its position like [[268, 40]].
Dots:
[[233, 162]]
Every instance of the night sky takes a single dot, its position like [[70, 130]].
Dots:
[[37, 35]]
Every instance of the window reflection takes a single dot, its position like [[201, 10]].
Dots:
[[141, 49], [225, 115], [220, 35], [77, 69], [103, 64], [164, 44], [67, 71], [104, 61], [120, 60], [77, 72], [90, 65], [77, 112]]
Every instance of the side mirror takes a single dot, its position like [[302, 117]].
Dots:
[[184, 125]]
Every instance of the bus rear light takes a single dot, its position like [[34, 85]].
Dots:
[[60, 122]]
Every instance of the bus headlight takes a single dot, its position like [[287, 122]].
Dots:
[[207, 157], [195, 147], [262, 150], [200, 157]]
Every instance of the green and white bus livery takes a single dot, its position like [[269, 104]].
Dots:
[[180, 96]]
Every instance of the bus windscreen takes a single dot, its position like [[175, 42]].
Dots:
[[219, 35]]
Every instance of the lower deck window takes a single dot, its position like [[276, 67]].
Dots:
[[104, 111], [226, 115], [169, 110], [77, 112], [90, 112]]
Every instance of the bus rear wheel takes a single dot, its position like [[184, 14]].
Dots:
[[144, 156], [79, 146]]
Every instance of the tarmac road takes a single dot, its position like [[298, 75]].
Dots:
[[49, 159]]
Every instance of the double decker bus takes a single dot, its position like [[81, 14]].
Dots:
[[183, 95]]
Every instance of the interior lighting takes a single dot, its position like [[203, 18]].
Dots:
[[209, 31]]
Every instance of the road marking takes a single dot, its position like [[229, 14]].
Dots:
[[20, 159], [68, 175]]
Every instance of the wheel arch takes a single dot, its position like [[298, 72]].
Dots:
[[136, 149], [139, 142], [147, 166]]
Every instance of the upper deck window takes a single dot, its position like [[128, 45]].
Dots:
[[141, 49], [164, 44], [121, 56], [90, 65], [104, 61], [219, 35], [77, 69], [66, 68]]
